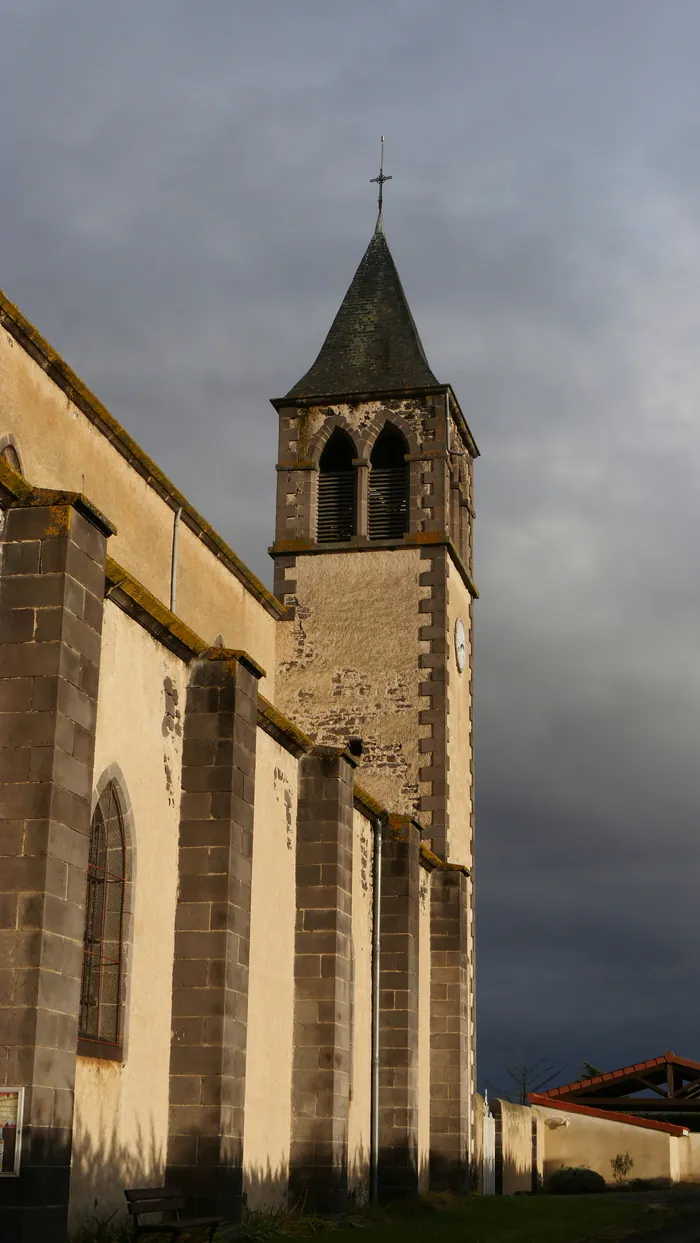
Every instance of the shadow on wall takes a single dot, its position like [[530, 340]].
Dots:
[[102, 1167], [265, 1188], [358, 1177], [318, 1183], [515, 1156]]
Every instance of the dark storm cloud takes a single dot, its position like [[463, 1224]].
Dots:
[[184, 198]]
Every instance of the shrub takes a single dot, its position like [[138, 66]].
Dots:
[[575, 1180], [649, 1184], [103, 1230], [621, 1166], [258, 1226]]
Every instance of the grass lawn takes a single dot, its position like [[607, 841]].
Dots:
[[512, 1219]]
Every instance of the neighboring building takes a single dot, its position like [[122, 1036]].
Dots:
[[666, 1086], [193, 776]]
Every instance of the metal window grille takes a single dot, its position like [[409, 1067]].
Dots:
[[336, 506], [388, 502], [336, 490], [388, 486], [101, 985]]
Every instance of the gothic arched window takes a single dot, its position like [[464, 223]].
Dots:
[[101, 988], [388, 485], [336, 490]]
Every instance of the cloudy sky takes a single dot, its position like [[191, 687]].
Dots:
[[184, 196]]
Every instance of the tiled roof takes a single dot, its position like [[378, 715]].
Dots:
[[373, 343], [625, 1072]]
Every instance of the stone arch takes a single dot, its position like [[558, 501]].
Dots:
[[376, 427], [112, 775], [335, 422], [388, 501]]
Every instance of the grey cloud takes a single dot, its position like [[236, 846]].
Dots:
[[185, 196]]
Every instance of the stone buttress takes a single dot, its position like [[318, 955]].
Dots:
[[51, 602]]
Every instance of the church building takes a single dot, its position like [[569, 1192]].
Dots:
[[236, 827]]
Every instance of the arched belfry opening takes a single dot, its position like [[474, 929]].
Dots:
[[388, 485], [336, 490]]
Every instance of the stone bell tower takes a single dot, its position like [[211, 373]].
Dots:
[[373, 556], [373, 559]]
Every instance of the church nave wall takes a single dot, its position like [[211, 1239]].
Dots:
[[61, 447], [121, 1107], [268, 1085]]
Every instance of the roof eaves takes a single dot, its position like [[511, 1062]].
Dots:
[[80, 395], [612, 1075], [609, 1115]]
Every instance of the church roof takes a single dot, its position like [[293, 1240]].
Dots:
[[373, 343]]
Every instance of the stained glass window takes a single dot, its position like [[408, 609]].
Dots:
[[101, 988]]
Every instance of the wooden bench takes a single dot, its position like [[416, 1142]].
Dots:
[[145, 1200]]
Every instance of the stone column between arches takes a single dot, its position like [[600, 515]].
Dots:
[[399, 930], [322, 978], [212, 934], [51, 604], [451, 995]]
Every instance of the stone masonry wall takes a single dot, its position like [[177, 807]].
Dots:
[[51, 600], [212, 934]]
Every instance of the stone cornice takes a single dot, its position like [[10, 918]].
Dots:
[[140, 604], [284, 731], [415, 539], [16, 492]]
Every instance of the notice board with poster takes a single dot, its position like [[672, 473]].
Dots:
[[11, 1109]]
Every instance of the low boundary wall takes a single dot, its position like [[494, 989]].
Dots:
[[579, 1135]]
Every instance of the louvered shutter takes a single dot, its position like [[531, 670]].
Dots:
[[336, 506], [388, 502]]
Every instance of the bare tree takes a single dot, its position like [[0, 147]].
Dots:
[[527, 1071]]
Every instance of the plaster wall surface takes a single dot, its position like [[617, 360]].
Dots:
[[424, 1031], [121, 1109], [348, 664], [689, 1158], [271, 981], [596, 1141], [61, 448], [459, 803], [208, 591], [516, 1146], [361, 1030]]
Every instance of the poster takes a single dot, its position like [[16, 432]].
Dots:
[[11, 1102]]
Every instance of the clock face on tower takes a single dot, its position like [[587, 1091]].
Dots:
[[460, 645]]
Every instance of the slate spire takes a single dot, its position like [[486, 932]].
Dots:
[[373, 343]]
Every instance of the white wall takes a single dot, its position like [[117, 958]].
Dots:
[[271, 981], [121, 1110]]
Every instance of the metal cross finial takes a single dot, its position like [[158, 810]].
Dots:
[[380, 179]]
